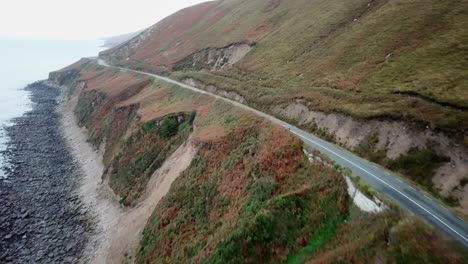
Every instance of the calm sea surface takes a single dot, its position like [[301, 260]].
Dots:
[[27, 61]]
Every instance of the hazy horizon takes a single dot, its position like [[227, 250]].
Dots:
[[90, 20]]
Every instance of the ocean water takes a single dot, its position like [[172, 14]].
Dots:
[[27, 61]]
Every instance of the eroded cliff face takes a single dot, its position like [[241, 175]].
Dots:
[[214, 58], [385, 141], [215, 90]]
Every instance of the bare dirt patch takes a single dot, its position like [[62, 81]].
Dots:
[[215, 90], [127, 232]]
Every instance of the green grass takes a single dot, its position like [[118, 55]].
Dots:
[[323, 234], [284, 219], [149, 126]]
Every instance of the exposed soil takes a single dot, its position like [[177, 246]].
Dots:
[[214, 58], [125, 236], [42, 219], [214, 90]]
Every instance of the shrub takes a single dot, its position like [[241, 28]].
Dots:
[[168, 127], [148, 126]]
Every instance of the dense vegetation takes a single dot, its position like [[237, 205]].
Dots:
[[248, 198], [255, 198]]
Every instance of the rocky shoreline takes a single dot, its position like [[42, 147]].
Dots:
[[42, 218]]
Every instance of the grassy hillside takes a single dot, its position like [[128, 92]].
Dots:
[[390, 60], [403, 59], [249, 196]]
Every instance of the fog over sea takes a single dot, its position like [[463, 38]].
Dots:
[[27, 61]]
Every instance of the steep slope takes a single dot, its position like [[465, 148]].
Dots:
[[249, 195], [384, 78]]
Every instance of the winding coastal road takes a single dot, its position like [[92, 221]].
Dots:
[[390, 186]]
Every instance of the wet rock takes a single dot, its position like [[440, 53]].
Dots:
[[41, 219], [25, 215]]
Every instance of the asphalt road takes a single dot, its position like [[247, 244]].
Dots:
[[390, 186]]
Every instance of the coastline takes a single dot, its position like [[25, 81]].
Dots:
[[42, 218], [56, 187], [55, 206]]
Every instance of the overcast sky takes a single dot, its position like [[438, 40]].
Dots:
[[82, 19]]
